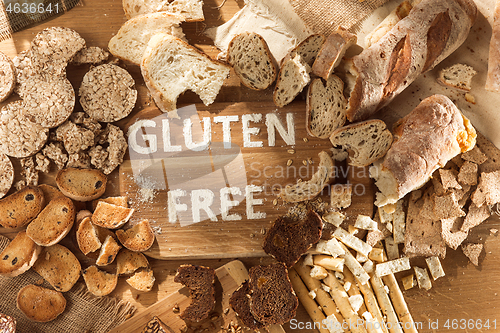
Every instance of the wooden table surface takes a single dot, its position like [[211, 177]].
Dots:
[[466, 293]]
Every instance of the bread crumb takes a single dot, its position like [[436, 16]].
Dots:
[[470, 98], [493, 231]]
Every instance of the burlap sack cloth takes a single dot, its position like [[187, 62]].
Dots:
[[85, 313]]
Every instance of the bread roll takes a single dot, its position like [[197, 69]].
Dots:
[[425, 140]]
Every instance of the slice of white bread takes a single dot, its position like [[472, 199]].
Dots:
[[59, 267], [127, 262], [99, 283], [365, 141], [87, 237], [40, 304], [252, 61], [53, 223], [292, 78], [109, 250], [332, 51], [142, 280], [307, 190], [133, 37], [19, 255], [458, 76], [138, 238], [171, 66], [21, 207], [111, 216], [81, 184], [325, 107], [192, 10]]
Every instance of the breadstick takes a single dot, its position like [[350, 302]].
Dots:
[[354, 266], [385, 305], [353, 290], [356, 324], [372, 305], [399, 304], [328, 262], [309, 304]]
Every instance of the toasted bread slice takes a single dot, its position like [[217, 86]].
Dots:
[[40, 304], [127, 262], [111, 216], [53, 223], [138, 238], [142, 280], [19, 255], [109, 250], [119, 201], [21, 207], [87, 237], [59, 267], [99, 283], [81, 184], [50, 192]]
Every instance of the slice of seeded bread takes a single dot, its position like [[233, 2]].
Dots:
[[109, 250], [325, 107], [458, 76], [240, 302], [292, 78], [81, 184], [307, 190], [21, 207], [366, 141], [132, 39], [138, 238], [192, 10], [40, 304], [127, 262], [99, 283], [308, 49], [142, 280], [19, 255], [252, 61], [111, 216]]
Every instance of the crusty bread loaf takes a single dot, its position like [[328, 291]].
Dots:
[[86, 236], [138, 238], [7, 324], [127, 262], [432, 30], [425, 140], [325, 107], [252, 61], [21, 207], [81, 184], [240, 302], [53, 223], [192, 10], [99, 283], [111, 216], [272, 301], [7, 76], [142, 280], [109, 250], [131, 40], [58, 266], [19, 255], [365, 141], [201, 283], [40, 304], [331, 53], [458, 76], [307, 190], [293, 76], [171, 66]]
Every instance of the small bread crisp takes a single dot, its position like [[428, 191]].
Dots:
[[86, 236], [19, 255], [127, 262], [142, 280], [40, 304], [7, 76], [21, 207], [111, 216], [81, 184], [458, 76], [119, 201], [138, 238], [473, 251], [99, 283], [109, 250]]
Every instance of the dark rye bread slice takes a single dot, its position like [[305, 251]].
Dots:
[[240, 303], [21, 207], [288, 239], [201, 283], [19, 255], [272, 300]]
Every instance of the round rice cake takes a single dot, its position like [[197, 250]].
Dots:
[[107, 93], [7, 76], [6, 174], [48, 101], [20, 137]]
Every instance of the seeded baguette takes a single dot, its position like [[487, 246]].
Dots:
[[21, 207], [40, 304], [19, 255], [81, 184]]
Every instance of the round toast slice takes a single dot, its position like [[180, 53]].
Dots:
[[81, 184], [111, 216], [21, 207], [87, 237], [142, 280], [127, 262], [138, 238], [99, 283], [40, 304], [19, 255]]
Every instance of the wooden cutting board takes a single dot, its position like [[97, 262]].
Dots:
[[229, 278], [182, 186]]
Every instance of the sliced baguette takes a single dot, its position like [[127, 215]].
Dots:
[[138, 238], [19, 255], [40, 304], [119, 201], [81, 184], [21, 207], [132, 39], [309, 189], [87, 237], [53, 223], [99, 283], [458, 76], [109, 250], [192, 10], [252, 61], [142, 280], [50, 192], [325, 107], [59, 267], [171, 66], [127, 262], [292, 78], [111, 216], [366, 141]]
